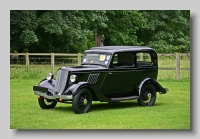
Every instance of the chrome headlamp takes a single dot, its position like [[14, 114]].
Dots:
[[49, 76], [73, 78]]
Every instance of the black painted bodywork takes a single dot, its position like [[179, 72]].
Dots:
[[108, 82]]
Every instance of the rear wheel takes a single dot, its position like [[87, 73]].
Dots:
[[82, 101], [46, 103], [147, 95]]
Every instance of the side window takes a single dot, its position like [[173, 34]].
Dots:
[[123, 59], [143, 59], [115, 59]]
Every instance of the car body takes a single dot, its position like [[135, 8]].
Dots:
[[106, 74]]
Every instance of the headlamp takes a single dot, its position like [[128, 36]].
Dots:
[[49, 76], [73, 78]]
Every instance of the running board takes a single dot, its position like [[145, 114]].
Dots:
[[124, 98]]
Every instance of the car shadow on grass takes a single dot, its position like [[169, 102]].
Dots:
[[113, 105], [117, 105], [97, 106]]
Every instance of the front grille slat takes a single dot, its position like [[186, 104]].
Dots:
[[61, 80]]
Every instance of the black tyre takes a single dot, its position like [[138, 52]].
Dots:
[[82, 101], [46, 103], [147, 95]]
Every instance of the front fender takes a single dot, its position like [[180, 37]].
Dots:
[[158, 87], [47, 84], [74, 88]]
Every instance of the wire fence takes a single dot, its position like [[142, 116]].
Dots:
[[176, 62]]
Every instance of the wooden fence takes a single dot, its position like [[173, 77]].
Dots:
[[28, 59]]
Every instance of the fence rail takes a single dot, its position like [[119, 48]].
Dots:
[[75, 59]]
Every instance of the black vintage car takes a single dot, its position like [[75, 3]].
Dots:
[[106, 74]]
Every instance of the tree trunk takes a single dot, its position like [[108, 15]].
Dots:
[[98, 39]]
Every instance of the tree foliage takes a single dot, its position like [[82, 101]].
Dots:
[[72, 31], [122, 27], [167, 31]]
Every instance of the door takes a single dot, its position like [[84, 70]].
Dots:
[[120, 79], [146, 66]]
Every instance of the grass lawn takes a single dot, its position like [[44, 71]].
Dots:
[[171, 111]]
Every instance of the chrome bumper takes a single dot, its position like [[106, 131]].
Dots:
[[41, 91]]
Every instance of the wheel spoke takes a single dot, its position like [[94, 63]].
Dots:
[[82, 101], [147, 96]]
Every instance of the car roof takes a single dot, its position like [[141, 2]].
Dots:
[[113, 49]]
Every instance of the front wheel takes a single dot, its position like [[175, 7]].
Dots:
[[147, 95], [46, 103], [82, 101]]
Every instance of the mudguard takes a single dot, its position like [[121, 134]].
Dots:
[[48, 84], [73, 89], [158, 87]]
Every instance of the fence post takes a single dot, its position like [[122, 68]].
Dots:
[[52, 63], [79, 59], [141, 56], [177, 66], [27, 59]]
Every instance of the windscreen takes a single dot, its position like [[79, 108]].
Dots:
[[96, 59]]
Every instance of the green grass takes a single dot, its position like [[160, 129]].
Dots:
[[39, 72], [170, 62], [171, 111]]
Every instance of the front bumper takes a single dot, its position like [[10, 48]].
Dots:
[[42, 91]]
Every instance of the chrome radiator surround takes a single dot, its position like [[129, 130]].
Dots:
[[61, 81]]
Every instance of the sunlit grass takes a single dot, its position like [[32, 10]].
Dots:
[[171, 111], [170, 62]]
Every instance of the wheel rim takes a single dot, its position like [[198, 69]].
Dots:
[[147, 96], [48, 101], [83, 101]]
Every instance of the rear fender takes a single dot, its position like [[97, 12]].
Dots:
[[158, 87]]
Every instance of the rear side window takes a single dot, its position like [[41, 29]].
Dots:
[[143, 59]]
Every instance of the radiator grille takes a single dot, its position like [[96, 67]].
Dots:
[[92, 79], [61, 80]]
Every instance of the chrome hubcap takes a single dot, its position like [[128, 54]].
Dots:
[[85, 101], [148, 96]]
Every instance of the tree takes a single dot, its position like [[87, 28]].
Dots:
[[167, 30], [73, 31], [122, 27], [63, 31], [54, 31], [22, 26]]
